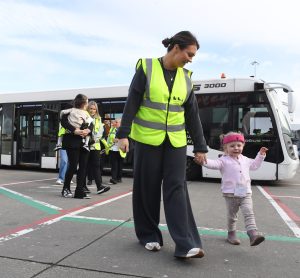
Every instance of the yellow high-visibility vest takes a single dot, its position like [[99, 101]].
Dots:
[[110, 141], [97, 133], [61, 132], [162, 112]]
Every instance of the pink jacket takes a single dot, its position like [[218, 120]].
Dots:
[[234, 170]]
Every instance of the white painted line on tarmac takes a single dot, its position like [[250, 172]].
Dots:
[[288, 221], [55, 218], [20, 182], [290, 184], [31, 199], [98, 204], [292, 197]]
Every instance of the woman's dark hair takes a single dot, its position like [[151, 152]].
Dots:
[[183, 39], [80, 100]]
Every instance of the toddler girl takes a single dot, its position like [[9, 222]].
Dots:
[[236, 185]]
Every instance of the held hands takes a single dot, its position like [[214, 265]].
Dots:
[[123, 145], [263, 151], [200, 158]]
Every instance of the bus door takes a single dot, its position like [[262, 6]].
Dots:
[[1, 108], [49, 130], [6, 133], [28, 135], [110, 110]]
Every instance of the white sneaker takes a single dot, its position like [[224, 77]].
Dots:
[[195, 253], [86, 147], [153, 246], [57, 148], [66, 193], [59, 181]]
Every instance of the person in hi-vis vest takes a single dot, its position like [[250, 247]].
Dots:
[[116, 155], [160, 106], [94, 160]]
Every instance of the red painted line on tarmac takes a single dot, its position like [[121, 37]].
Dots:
[[286, 209], [60, 215]]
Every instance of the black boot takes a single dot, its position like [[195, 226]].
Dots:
[[255, 237], [86, 190]]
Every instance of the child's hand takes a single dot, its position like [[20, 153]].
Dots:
[[263, 151]]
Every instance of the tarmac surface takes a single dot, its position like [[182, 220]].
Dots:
[[44, 235]]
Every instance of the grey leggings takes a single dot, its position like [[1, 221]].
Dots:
[[233, 204]]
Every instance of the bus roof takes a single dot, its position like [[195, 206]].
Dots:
[[222, 85], [227, 85], [91, 93], [231, 85]]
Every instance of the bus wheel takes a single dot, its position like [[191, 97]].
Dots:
[[193, 170]]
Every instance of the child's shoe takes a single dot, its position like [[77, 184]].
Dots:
[[255, 237], [57, 147], [232, 238], [86, 147]]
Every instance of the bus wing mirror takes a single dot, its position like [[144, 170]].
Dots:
[[291, 102], [287, 89]]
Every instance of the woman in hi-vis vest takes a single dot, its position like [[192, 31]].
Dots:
[[161, 105]]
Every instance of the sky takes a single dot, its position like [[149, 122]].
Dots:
[[70, 44]]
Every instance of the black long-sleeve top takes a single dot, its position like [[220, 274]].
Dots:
[[135, 98], [71, 140]]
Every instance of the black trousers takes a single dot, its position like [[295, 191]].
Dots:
[[163, 166], [76, 157], [116, 162], [94, 167], [90, 175]]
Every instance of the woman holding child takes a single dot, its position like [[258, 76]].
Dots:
[[74, 144]]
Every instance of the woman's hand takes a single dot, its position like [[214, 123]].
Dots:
[[78, 131], [200, 158], [124, 145], [85, 132], [82, 133]]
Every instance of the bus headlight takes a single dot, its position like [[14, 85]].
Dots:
[[289, 146]]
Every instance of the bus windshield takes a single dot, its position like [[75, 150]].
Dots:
[[247, 112]]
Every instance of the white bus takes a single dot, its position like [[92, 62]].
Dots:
[[254, 108], [29, 124]]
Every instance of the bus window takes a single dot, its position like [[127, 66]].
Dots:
[[111, 110], [214, 114], [255, 121], [50, 127], [1, 108]]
